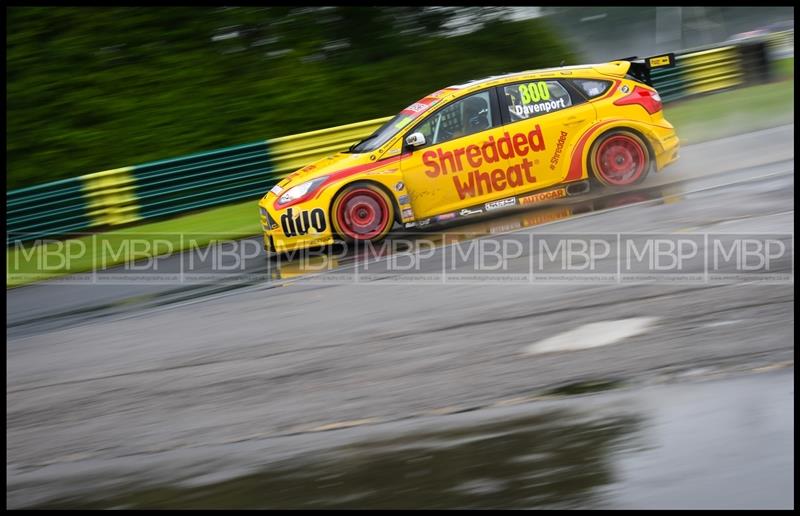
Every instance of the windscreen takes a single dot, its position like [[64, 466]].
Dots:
[[393, 126]]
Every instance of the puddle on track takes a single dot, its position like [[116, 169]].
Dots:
[[704, 444]]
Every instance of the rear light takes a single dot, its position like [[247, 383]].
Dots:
[[648, 99]]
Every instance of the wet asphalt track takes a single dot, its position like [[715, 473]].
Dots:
[[161, 382]]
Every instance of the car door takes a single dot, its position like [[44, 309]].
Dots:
[[556, 111], [459, 164]]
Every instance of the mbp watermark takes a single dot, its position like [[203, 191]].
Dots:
[[574, 257], [494, 259], [662, 257], [751, 257], [46, 256], [451, 256]]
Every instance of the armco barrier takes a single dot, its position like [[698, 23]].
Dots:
[[201, 180], [670, 82], [166, 187], [781, 44], [54, 208], [711, 70], [293, 152], [182, 184]]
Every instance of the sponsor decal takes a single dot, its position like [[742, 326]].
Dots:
[[559, 148], [539, 107], [659, 61], [534, 92], [543, 196], [303, 222], [425, 222], [277, 189], [467, 211], [408, 213], [502, 203], [445, 216], [474, 183], [419, 107], [625, 89], [399, 186], [403, 199]]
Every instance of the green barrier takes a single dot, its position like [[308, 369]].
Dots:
[[44, 210], [202, 180], [670, 82]]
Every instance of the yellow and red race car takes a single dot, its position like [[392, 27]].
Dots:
[[489, 144]]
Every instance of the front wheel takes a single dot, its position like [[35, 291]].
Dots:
[[619, 158], [362, 211]]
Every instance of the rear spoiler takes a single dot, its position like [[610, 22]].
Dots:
[[640, 68]]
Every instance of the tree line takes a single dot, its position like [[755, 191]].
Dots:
[[90, 89]]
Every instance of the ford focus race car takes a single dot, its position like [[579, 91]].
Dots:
[[486, 145]]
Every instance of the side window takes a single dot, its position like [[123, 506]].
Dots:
[[461, 118], [591, 87], [529, 99]]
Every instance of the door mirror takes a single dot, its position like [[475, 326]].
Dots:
[[415, 139]]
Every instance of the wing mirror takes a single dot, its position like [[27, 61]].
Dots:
[[415, 139]]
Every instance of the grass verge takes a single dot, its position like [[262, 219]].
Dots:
[[732, 112]]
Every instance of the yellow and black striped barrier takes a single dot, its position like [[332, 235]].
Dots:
[[110, 197], [711, 70], [290, 153]]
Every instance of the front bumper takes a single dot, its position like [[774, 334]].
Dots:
[[293, 228]]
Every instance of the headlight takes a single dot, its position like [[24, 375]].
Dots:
[[300, 190]]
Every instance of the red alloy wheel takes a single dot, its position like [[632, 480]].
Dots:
[[620, 160], [362, 214]]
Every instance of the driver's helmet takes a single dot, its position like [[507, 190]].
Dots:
[[476, 114]]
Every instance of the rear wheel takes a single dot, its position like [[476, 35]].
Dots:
[[620, 158], [362, 211]]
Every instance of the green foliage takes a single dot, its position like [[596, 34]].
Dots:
[[89, 89]]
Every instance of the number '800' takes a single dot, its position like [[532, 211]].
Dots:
[[534, 92]]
